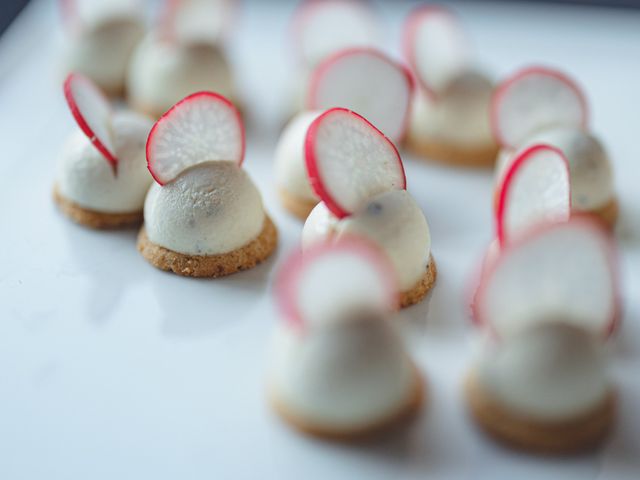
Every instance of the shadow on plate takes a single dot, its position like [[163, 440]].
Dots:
[[193, 307], [108, 258]]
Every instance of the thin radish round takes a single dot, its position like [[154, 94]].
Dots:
[[92, 111], [349, 161], [436, 47], [535, 190], [562, 272], [534, 99], [368, 82], [203, 127], [323, 27], [333, 279]]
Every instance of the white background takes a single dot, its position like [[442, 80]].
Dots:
[[110, 369]]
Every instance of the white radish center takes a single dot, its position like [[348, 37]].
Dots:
[[563, 273], [354, 161], [538, 193], [368, 84], [536, 102]]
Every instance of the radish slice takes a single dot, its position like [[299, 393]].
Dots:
[[365, 81], [92, 112], [331, 280], [436, 47], [563, 272], [196, 21], [202, 127], [349, 161], [323, 27], [533, 99], [535, 191]]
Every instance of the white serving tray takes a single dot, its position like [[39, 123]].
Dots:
[[110, 369]]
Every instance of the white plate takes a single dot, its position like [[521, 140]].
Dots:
[[110, 369]]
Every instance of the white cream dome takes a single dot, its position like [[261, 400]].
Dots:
[[163, 73], [459, 116], [291, 169], [550, 372], [343, 374], [103, 52], [209, 209], [87, 178], [393, 220]]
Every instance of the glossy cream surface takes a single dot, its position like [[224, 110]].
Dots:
[[163, 73], [209, 209], [458, 116], [290, 166], [348, 373], [87, 178], [393, 220], [550, 372], [102, 51]]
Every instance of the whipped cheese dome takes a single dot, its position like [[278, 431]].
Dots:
[[393, 220], [550, 372], [210, 208], [590, 169], [102, 51], [87, 178], [459, 115], [163, 73], [290, 166], [345, 373]]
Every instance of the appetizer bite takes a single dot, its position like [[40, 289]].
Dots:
[[183, 54], [547, 303], [358, 174], [339, 368], [102, 177], [100, 36], [542, 105], [450, 112], [360, 79], [204, 217]]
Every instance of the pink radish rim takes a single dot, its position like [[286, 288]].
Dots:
[[287, 279], [315, 179], [324, 65], [581, 219], [306, 8], [408, 39], [194, 96], [504, 86], [82, 123], [508, 181]]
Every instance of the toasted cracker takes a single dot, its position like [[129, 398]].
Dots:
[[92, 218], [482, 156], [568, 436], [219, 265], [409, 409], [298, 206], [422, 288]]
